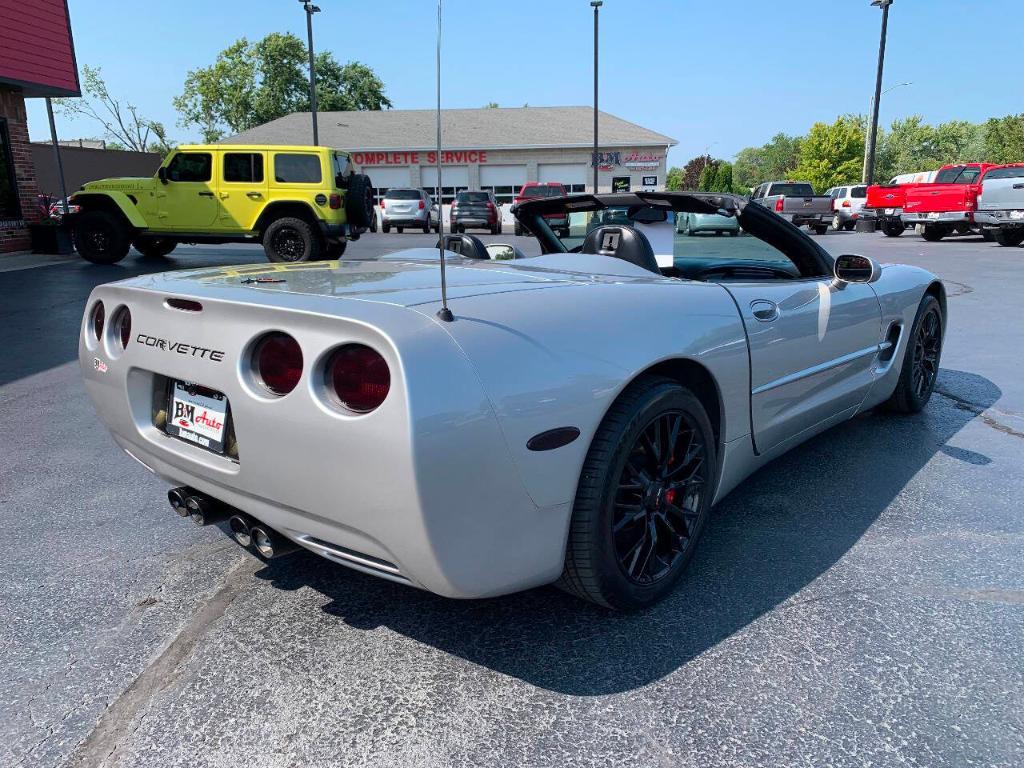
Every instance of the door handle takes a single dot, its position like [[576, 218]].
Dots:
[[253, 195], [224, 195], [206, 194], [764, 310]]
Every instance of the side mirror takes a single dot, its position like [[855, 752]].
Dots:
[[851, 268], [162, 174], [500, 251]]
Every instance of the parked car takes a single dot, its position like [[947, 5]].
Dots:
[[303, 203], [885, 202], [1001, 204], [478, 210], [692, 223], [403, 207], [946, 205], [534, 189], [847, 205], [527, 435], [795, 201]]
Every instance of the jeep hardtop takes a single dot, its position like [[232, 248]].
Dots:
[[303, 203]]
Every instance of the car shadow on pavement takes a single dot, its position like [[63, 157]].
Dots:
[[770, 538]]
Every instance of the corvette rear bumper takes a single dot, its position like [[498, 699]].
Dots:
[[422, 490]]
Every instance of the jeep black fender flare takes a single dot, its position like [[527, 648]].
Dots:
[[275, 210], [117, 203]]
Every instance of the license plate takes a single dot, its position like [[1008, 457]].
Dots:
[[890, 211], [933, 215], [197, 415], [1017, 214]]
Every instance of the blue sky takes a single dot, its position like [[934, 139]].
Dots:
[[724, 74]]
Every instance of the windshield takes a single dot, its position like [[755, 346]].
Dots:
[[1015, 172], [959, 175], [544, 191], [791, 189], [402, 194], [472, 197], [687, 241]]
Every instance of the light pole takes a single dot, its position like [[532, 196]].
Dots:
[[310, 10], [869, 150], [595, 4], [868, 143]]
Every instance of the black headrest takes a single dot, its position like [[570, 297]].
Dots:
[[622, 242], [465, 245]]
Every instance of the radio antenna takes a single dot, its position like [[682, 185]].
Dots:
[[444, 313]]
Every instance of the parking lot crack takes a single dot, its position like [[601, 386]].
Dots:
[[102, 747], [984, 414]]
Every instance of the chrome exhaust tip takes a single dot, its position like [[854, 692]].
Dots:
[[269, 544], [241, 529], [205, 511], [178, 498]]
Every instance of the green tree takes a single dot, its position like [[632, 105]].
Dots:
[[252, 83], [706, 180], [832, 154], [1003, 139], [491, 105], [723, 178], [674, 179], [907, 147], [123, 126], [771, 161]]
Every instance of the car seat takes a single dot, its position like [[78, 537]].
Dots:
[[621, 242]]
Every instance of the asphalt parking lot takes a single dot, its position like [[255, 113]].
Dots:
[[858, 602]]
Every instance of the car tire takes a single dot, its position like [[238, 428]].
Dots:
[[154, 247], [385, 228], [359, 201], [1009, 238], [893, 228], [689, 231], [849, 226], [601, 563], [290, 239], [496, 229], [837, 223], [933, 233], [401, 230], [334, 250], [426, 227], [734, 233], [518, 229], [820, 229], [101, 237], [501, 227], [921, 359]]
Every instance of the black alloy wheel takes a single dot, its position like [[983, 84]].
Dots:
[[100, 237], [658, 498], [287, 243], [927, 346], [290, 239], [921, 359], [644, 493]]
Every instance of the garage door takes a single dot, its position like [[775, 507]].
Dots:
[[453, 181], [385, 178], [503, 180], [573, 176]]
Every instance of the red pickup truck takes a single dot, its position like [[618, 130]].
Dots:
[[559, 222], [948, 204], [884, 202]]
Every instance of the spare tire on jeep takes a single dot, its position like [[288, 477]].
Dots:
[[359, 201]]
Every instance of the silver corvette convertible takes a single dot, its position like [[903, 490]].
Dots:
[[572, 420]]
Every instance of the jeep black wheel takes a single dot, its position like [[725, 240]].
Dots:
[[359, 201], [101, 237], [921, 360], [291, 239], [154, 247], [643, 496]]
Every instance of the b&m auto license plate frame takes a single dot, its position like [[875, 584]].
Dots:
[[198, 415]]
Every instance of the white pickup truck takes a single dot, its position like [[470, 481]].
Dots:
[[796, 202], [1001, 204]]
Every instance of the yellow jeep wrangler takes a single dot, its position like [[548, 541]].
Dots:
[[302, 203]]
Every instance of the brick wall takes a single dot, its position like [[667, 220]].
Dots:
[[14, 236]]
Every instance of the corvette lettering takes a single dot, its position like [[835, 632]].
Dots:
[[180, 347]]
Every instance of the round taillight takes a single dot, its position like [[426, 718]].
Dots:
[[359, 377], [124, 326], [98, 316], [278, 362]]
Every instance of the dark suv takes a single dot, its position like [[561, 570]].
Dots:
[[478, 210]]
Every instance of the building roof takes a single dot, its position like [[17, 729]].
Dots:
[[495, 128]]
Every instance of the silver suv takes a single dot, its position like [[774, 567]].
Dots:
[[407, 207]]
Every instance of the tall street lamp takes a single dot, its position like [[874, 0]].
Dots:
[[869, 162], [595, 4], [310, 10]]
